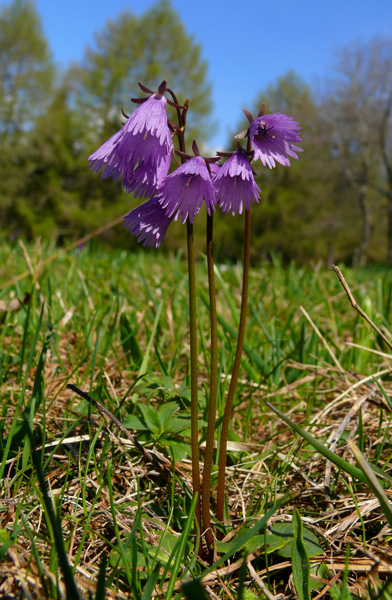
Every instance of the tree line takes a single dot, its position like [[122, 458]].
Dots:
[[334, 204]]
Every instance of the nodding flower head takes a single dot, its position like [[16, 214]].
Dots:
[[146, 182], [183, 192], [272, 138], [235, 185], [141, 150], [148, 223]]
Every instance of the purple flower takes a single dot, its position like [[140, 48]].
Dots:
[[235, 185], [140, 151], [149, 222], [272, 137], [144, 182], [214, 168], [183, 192]]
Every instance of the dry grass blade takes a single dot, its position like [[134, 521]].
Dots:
[[322, 338], [261, 583], [160, 462], [373, 482], [356, 306]]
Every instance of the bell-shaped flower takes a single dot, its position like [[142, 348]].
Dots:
[[141, 149], [148, 222], [235, 185], [145, 182], [183, 192], [272, 137]]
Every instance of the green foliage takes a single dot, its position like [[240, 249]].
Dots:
[[26, 85], [26, 71], [279, 538], [165, 428], [146, 49]]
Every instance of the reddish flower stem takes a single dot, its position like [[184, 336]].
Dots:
[[194, 370], [209, 450], [192, 330], [234, 375]]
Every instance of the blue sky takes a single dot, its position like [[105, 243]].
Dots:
[[247, 44]]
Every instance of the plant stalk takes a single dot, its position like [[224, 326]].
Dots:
[[182, 114], [209, 450], [234, 375], [194, 373]]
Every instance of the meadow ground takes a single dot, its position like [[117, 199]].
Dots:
[[84, 512]]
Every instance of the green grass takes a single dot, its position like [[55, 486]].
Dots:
[[84, 513]]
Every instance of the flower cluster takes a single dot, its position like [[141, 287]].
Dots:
[[141, 152]]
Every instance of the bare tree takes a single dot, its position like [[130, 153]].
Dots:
[[359, 111]]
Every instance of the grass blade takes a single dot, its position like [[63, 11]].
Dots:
[[146, 358], [69, 581], [372, 481], [180, 549], [334, 458], [151, 583], [100, 593], [21, 397]]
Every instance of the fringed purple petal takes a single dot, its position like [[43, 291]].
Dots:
[[139, 150], [272, 137], [235, 186], [183, 192], [145, 182], [148, 223], [215, 168]]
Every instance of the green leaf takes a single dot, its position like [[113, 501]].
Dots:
[[279, 539], [273, 543], [180, 552], [165, 414], [179, 450], [179, 424], [101, 581], [283, 533], [255, 530], [133, 422], [257, 542], [166, 546], [320, 570], [151, 583], [151, 418], [7, 538], [300, 560]]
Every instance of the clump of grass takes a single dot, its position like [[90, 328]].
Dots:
[[126, 523]]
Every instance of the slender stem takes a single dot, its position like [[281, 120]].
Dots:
[[209, 451], [192, 328], [234, 375], [193, 357]]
